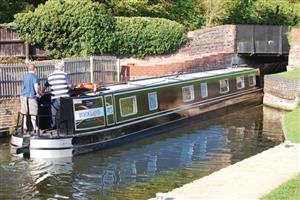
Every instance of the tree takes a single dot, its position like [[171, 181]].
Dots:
[[9, 8], [186, 12], [271, 12], [212, 11], [275, 12]]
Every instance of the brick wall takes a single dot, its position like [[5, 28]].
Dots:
[[134, 71], [281, 87], [220, 39], [280, 92], [294, 55], [9, 109], [207, 49]]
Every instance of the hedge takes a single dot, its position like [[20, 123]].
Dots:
[[68, 28], [143, 36], [79, 28]]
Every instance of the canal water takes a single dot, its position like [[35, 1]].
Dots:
[[139, 170]]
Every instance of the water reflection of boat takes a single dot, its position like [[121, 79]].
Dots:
[[123, 113]]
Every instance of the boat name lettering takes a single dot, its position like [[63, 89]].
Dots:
[[90, 113]]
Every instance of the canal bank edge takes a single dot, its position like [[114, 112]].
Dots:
[[251, 178]]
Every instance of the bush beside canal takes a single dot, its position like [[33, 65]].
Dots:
[[81, 28]]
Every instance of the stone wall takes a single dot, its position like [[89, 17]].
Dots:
[[281, 92], [9, 109], [294, 55]]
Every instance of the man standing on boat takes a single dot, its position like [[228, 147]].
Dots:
[[30, 93], [59, 85]]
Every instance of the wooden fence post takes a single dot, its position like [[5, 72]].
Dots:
[[92, 69], [118, 70], [27, 60]]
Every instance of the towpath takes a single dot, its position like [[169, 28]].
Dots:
[[248, 179]]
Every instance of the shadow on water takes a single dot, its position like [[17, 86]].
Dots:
[[139, 170]]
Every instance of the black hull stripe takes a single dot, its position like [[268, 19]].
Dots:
[[61, 148], [14, 145]]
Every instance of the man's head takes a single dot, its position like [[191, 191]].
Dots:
[[59, 66], [31, 68]]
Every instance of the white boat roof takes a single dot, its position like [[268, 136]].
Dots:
[[171, 79]]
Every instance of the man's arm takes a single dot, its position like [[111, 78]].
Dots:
[[37, 90]]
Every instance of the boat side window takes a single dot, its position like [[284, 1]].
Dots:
[[252, 80], [152, 101], [204, 91], [188, 93], [224, 86], [128, 106], [240, 82]]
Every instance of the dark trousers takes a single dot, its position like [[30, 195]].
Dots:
[[55, 104]]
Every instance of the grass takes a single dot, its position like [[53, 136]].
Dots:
[[291, 123], [287, 191], [294, 74]]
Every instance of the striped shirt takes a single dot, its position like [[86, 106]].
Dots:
[[59, 84]]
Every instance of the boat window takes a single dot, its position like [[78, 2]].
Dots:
[[240, 82], [152, 101], [188, 93], [204, 92], [128, 106], [224, 86], [252, 80]]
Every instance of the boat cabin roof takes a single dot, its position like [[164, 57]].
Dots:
[[171, 79]]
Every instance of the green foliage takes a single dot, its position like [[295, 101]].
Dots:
[[271, 12], [275, 12], [141, 36], [68, 27], [8, 8], [79, 28], [186, 12], [212, 11]]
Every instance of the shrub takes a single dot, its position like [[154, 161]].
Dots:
[[186, 12], [68, 27], [271, 12], [142, 36], [9, 8], [275, 12]]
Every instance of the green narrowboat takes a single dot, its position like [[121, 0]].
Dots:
[[122, 113]]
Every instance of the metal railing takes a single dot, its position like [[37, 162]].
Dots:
[[61, 125], [99, 69]]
